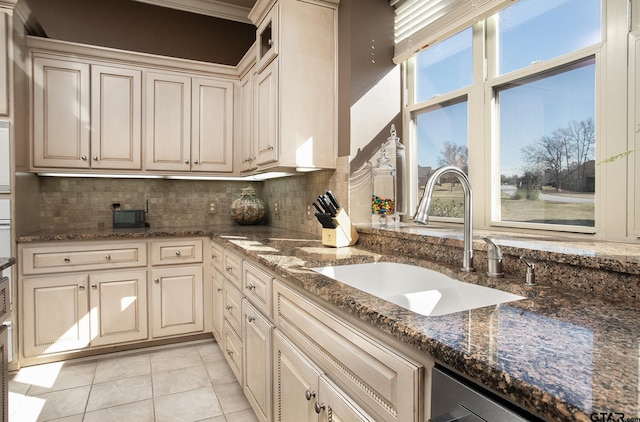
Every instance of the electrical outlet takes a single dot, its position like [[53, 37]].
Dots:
[[276, 207], [213, 207], [309, 215]]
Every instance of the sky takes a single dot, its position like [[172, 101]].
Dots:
[[530, 30]]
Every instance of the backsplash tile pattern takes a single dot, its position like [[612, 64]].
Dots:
[[85, 203]]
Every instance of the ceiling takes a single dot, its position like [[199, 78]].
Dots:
[[237, 10]]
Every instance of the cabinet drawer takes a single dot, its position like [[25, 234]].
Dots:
[[217, 259], [233, 307], [184, 251], [92, 256], [233, 351], [377, 377], [232, 268], [5, 299], [256, 285]]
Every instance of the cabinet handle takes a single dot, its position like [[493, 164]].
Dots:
[[219, 289], [84, 158], [67, 260], [94, 286], [157, 280], [318, 407], [309, 394], [178, 253], [81, 286], [250, 318], [108, 257], [95, 158], [251, 287]]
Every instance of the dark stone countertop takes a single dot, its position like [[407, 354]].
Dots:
[[6, 263], [559, 353]]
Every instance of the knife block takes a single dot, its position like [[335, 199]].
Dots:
[[343, 235]]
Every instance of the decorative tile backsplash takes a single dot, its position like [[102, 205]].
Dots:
[[85, 203]]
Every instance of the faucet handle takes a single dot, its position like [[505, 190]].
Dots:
[[530, 276], [494, 259], [493, 250]]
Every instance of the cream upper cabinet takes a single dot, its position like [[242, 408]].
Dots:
[[167, 121], [295, 121], [66, 134], [116, 115], [212, 125], [247, 150], [61, 104], [5, 60], [188, 123]]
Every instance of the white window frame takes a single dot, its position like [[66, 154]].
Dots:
[[616, 214]]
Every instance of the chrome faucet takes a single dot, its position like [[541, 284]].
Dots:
[[422, 212]]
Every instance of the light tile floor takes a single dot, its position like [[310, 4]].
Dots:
[[185, 382]]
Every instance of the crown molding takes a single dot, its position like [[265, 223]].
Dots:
[[214, 8]]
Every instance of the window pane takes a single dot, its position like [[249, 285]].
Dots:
[[547, 147], [442, 140], [533, 30], [445, 67]]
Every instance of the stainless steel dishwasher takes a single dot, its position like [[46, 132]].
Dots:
[[456, 399]]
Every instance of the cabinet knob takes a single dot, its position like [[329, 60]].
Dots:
[[67, 260], [318, 407], [251, 287], [108, 257], [178, 253], [309, 394], [219, 289], [84, 158], [94, 286], [195, 162], [270, 42], [95, 158], [228, 307], [186, 161], [229, 352], [157, 280], [250, 318], [270, 147], [81, 286], [229, 269]]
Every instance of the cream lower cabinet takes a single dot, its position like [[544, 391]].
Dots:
[[70, 312], [302, 392], [256, 336], [177, 300]]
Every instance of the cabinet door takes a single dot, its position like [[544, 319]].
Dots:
[[177, 297], [247, 154], [266, 115], [118, 307], [55, 314], [5, 58], [116, 114], [217, 307], [295, 382], [60, 113], [257, 361], [335, 406], [212, 125], [167, 123]]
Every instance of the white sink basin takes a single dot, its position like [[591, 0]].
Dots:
[[421, 290]]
